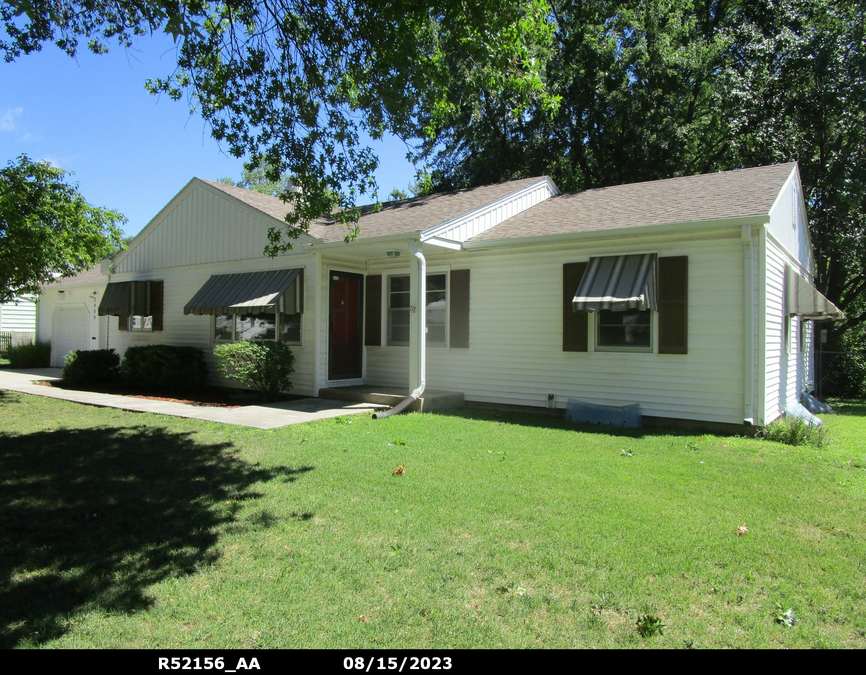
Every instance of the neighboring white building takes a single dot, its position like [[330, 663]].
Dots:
[[684, 281], [18, 315], [68, 317]]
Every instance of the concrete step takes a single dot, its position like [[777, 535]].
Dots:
[[431, 400]]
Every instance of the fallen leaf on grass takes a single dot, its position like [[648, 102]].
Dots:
[[742, 530], [399, 471], [362, 619]]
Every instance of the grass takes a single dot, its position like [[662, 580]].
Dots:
[[120, 529]]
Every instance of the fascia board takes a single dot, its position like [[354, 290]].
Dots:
[[663, 228]]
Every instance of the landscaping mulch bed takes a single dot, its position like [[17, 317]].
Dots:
[[212, 397]]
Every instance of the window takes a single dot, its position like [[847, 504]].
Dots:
[[398, 310], [399, 303], [137, 304], [630, 330], [237, 327], [141, 323]]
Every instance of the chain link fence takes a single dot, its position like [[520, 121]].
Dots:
[[840, 374]]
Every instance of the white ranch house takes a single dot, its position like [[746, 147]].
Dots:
[[670, 294]]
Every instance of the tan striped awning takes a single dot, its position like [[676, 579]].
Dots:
[[248, 293], [803, 299], [618, 282]]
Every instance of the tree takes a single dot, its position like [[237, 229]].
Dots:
[[47, 229], [397, 194], [294, 84], [256, 178], [651, 89]]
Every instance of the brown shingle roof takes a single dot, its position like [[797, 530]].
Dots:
[[727, 194], [85, 278], [402, 217]]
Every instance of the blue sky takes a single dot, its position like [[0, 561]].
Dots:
[[129, 150]]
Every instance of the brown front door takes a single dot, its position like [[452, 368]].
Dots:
[[346, 335]]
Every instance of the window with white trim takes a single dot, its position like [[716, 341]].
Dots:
[[238, 327], [629, 330], [141, 323], [399, 303]]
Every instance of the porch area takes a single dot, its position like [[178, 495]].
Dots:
[[432, 399]]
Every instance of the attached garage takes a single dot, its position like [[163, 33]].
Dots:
[[72, 327], [67, 315]]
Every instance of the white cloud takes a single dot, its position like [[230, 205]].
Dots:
[[31, 137], [7, 119]]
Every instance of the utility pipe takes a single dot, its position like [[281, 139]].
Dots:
[[422, 338]]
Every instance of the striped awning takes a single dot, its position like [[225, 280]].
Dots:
[[619, 283], [803, 299], [248, 293], [117, 299]]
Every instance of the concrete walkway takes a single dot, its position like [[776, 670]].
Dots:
[[266, 416]]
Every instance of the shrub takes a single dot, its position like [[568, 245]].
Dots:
[[164, 368], [793, 431], [264, 366], [33, 355], [83, 368]]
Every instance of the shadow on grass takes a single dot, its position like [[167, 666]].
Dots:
[[90, 518], [9, 396], [853, 407], [549, 421]]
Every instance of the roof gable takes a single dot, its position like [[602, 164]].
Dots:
[[205, 222]]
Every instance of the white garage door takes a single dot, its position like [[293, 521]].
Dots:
[[73, 332]]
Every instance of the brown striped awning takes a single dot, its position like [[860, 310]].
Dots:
[[618, 283], [248, 293], [803, 299]]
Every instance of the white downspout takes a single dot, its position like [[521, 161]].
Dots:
[[422, 319], [421, 355]]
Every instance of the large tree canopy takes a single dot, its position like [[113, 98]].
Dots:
[[651, 89], [47, 228], [594, 93], [295, 85]]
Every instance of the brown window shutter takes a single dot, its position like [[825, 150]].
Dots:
[[156, 296], [673, 305], [373, 313], [459, 308], [123, 322], [574, 324]]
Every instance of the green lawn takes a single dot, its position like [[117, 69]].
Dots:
[[129, 530]]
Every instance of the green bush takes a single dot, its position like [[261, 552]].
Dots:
[[263, 366], [33, 355], [164, 368], [82, 368], [793, 431]]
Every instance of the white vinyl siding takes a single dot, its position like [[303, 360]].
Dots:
[[199, 226], [19, 316], [788, 223], [515, 354], [787, 369]]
